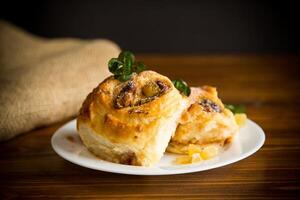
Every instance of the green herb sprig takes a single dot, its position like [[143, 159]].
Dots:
[[182, 86], [125, 65], [235, 109]]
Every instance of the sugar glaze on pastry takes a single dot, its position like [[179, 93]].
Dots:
[[131, 122]]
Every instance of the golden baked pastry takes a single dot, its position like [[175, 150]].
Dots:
[[204, 124], [131, 122]]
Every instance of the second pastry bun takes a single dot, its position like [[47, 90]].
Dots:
[[205, 123]]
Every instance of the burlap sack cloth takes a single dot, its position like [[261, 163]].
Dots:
[[44, 81]]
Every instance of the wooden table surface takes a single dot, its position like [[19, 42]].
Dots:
[[269, 87]]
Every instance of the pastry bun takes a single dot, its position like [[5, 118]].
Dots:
[[205, 123], [131, 122]]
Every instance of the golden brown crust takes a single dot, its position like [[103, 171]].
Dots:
[[122, 115], [205, 122]]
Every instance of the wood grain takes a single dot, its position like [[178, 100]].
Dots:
[[269, 86]]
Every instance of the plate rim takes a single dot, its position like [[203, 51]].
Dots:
[[156, 170]]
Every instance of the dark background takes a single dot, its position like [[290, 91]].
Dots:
[[166, 26]]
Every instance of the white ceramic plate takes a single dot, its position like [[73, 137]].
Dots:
[[67, 143]]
